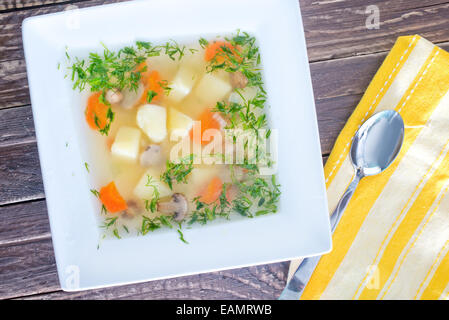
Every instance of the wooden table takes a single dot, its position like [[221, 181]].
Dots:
[[344, 55]]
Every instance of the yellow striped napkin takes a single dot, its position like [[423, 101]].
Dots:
[[393, 239]]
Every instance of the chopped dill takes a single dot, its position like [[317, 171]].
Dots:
[[116, 233], [203, 43], [178, 172], [165, 87], [95, 193], [108, 222], [181, 236], [150, 95], [152, 205], [86, 165], [152, 224], [172, 48], [126, 228]]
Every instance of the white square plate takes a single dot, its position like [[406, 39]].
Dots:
[[300, 228]]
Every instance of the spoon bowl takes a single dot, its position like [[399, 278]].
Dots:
[[377, 143]]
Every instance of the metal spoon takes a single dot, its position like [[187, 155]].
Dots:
[[374, 147]]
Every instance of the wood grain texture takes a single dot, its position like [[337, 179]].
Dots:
[[24, 221], [16, 126], [319, 7], [342, 33], [20, 175], [27, 268], [13, 84]]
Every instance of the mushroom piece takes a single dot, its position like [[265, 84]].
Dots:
[[176, 206], [114, 96], [131, 97], [132, 210], [151, 156], [239, 80]]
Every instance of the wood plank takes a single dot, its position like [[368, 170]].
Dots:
[[26, 221], [27, 268], [20, 175], [317, 7], [337, 33], [13, 84], [332, 115], [342, 33], [16, 126]]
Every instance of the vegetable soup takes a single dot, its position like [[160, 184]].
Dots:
[[178, 134]]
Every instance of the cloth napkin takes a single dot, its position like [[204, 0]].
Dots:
[[393, 239]]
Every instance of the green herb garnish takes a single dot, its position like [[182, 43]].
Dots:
[[152, 205], [178, 172], [150, 95], [95, 192], [152, 224], [181, 236], [172, 49]]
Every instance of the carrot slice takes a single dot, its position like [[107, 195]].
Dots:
[[152, 82], [212, 192], [111, 198], [96, 112], [207, 120], [215, 50]]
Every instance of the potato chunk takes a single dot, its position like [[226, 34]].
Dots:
[[152, 119], [182, 84], [145, 187], [179, 121], [126, 143], [212, 89]]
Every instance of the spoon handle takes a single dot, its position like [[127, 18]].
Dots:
[[295, 287], [344, 200]]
